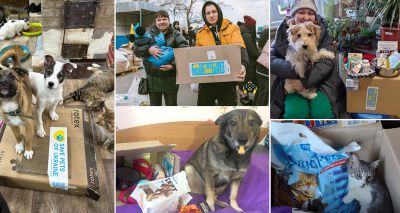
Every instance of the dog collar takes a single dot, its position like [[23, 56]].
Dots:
[[17, 112]]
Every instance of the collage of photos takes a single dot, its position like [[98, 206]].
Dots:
[[199, 106]]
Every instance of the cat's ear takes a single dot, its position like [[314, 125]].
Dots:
[[354, 162], [375, 164]]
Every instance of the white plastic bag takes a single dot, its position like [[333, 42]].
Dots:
[[194, 87], [138, 99], [163, 195]]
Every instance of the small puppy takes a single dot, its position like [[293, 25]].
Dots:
[[16, 102], [303, 49], [224, 159], [48, 89], [11, 28]]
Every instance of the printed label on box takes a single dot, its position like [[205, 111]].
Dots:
[[211, 55], [352, 83], [58, 158], [372, 98], [199, 69]]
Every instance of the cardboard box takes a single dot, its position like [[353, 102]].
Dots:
[[376, 143], [187, 135], [18, 172], [207, 64], [155, 150], [376, 95]]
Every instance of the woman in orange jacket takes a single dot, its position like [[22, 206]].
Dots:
[[219, 31]]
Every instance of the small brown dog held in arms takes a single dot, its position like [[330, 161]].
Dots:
[[16, 102], [303, 52]]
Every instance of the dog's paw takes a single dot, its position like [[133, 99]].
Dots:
[[61, 102], [41, 133], [210, 203], [221, 204], [312, 95], [347, 199], [28, 154], [54, 116], [235, 206], [19, 147]]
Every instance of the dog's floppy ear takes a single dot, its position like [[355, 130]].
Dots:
[[49, 60], [292, 31], [258, 118], [291, 22], [315, 29], [220, 120], [68, 67]]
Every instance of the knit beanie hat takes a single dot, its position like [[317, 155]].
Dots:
[[300, 4], [249, 21]]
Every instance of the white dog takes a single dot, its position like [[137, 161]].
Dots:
[[303, 48], [11, 28], [48, 89]]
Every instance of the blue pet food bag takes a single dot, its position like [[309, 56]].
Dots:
[[315, 172]]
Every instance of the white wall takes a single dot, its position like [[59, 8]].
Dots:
[[128, 116]]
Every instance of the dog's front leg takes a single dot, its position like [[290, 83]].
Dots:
[[29, 137], [19, 147], [52, 112], [210, 191], [39, 120], [234, 192]]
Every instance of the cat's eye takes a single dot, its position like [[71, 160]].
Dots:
[[369, 178], [358, 175]]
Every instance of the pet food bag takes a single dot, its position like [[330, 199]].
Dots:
[[163, 195], [316, 174]]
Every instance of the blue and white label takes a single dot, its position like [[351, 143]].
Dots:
[[372, 98], [210, 68], [58, 158]]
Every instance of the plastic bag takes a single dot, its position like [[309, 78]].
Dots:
[[133, 93], [163, 195], [316, 173]]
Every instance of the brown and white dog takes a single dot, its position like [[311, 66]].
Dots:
[[16, 102], [303, 49]]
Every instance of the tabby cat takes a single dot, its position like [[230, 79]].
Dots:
[[105, 129], [372, 195], [93, 93], [304, 191]]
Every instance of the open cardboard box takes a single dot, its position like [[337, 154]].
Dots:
[[157, 139], [18, 172], [186, 135], [376, 95], [205, 61], [376, 143]]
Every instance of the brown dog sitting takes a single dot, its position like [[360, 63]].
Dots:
[[16, 102]]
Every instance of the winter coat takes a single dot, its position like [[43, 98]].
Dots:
[[324, 74], [161, 81], [249, 37]]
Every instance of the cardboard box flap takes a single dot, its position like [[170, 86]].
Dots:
[[187, 135], [390, 159], [135, 148]]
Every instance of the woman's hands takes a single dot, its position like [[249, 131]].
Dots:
[[242, 74], [166, 67], [154, 51]]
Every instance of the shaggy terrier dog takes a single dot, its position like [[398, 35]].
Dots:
[[303, 51]]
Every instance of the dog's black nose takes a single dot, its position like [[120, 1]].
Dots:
[[305, 46], [51, 84]]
